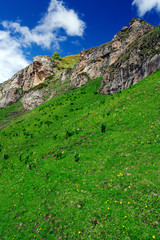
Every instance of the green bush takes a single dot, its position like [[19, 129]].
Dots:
[[59, 155], [56, 56], [103, 127], [76, 157], [68, 133], [6, 156]]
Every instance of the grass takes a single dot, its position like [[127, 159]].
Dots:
[[7, 115], [68, 61], [83, 166]]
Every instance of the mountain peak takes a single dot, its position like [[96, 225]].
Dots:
[[135, 22]]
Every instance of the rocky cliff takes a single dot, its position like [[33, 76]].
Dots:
[[133, 54], [25, 80], [138, 61], [93, 61]]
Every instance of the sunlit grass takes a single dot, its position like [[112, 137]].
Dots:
[[69, 61]]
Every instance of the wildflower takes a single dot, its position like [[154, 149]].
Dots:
[[129, 186], [153, 237], [120, 175], [108, 208], [79, 232], [115, 201], [120, 202], [128, 202]]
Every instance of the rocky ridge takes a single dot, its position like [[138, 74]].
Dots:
[[94, 60], [133, 54], [140, 60]]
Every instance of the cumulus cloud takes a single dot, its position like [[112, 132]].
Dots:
[[15, 37], [145, 6], [11, 56]]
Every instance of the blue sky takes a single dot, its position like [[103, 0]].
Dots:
[[40, 27]]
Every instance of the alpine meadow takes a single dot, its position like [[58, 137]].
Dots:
[[80, 141]]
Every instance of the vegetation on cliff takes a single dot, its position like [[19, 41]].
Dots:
[[83, 166]]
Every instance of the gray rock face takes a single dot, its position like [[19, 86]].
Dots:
[[94, 60], [11, 96], [137, 62], [66, 74], [25, 79], [81, 79], [32, 99]]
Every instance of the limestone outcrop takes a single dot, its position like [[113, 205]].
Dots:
[[94, 60], [140, 60], [25, 80], [33, 99]]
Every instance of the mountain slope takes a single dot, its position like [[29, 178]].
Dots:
[[134, 53], [83, 166]]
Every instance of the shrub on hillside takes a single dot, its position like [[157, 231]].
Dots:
[[6, 156], [56, 56], [103, 127], [76, 157], [69, 133], [59, 155]]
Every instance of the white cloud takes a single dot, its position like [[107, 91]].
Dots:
[[11, 56], [44, 34], [146, 5]]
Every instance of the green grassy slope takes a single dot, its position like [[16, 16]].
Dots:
[[83, 166], [9, 114]]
